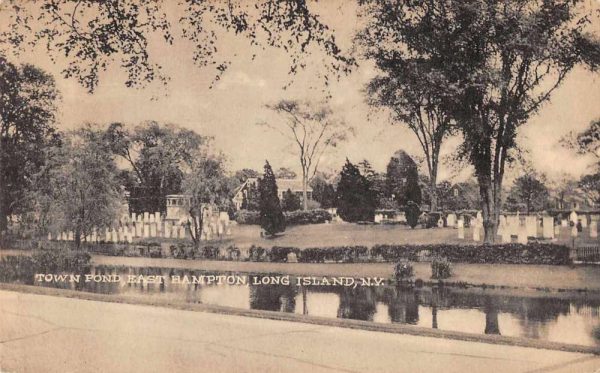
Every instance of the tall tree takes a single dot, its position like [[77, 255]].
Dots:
[[158, 155], [529, 191], [590, 185], [314, 129], [28, 98], [402, 179], [355, 199], [587, 141], [414, 90], [272, 220], [501, 60], [92, 35], [208, 186], [82, 181]]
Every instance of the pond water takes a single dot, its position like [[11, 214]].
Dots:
[[568, 318]]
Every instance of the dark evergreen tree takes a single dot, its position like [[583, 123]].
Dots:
[[290, 201], [355, 199], [272, 220], [403, 179], [412, 214]]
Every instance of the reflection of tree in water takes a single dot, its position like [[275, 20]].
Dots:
[[273, 297], [357, 304], [492, 325], [536, 312], [403, 304]]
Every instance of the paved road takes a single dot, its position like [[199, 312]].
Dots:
[[52, 334]]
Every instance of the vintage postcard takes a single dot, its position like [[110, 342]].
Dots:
[[299, 186]]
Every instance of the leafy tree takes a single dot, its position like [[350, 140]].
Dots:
[[444, 195], [245, 174], [590, 185], [414, 91], [207, 185], [28, 99], [528, 191], [272, 220], [285, 173], [355, 199], [80, 187], [586, 142], [93, 35], [500, 62], [402, 179], [290, 201], [314, 129], [158, 156], [323, 191]]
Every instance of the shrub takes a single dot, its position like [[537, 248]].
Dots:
[[440, 268], [280, 254], [403, 270], [300, 217], [257, 254], [343, 254], [247, 217]]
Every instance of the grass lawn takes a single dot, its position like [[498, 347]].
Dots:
[[345, 234]]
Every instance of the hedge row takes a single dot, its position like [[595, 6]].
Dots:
[[533, 253], [22, 268], [298, 217]]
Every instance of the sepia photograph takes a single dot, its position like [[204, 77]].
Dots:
[[299, 186]]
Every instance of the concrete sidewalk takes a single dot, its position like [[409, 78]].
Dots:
[[53, 334], [578, 277]]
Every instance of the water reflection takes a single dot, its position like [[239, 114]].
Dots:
[[574, 319]]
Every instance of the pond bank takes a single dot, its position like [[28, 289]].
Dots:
[[535, 277]]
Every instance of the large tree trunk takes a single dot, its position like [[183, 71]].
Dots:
[[196, 227], [433, 195], [490, 208], [304, 192]]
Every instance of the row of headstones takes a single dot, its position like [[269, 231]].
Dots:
[[511, 226], [127, 232]]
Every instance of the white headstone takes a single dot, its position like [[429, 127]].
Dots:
[[115, 237], [461, 229], [138, 229], [146, 230], [573, 217], [564, 223], [451, 220], [522, 235], [548, 227], [479, 216], [49, 236], [531, 226], [157, 216], [513, 224], [574, 231], [506, 237], [152, 229], [584, 221], [476, 232], [378, 218], [133, 216], [146, 216], [107, 235], [593, 229], [167, 230]]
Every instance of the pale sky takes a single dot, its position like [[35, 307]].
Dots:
[[232, 108]]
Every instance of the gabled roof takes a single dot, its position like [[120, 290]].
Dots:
[[295, 185]]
